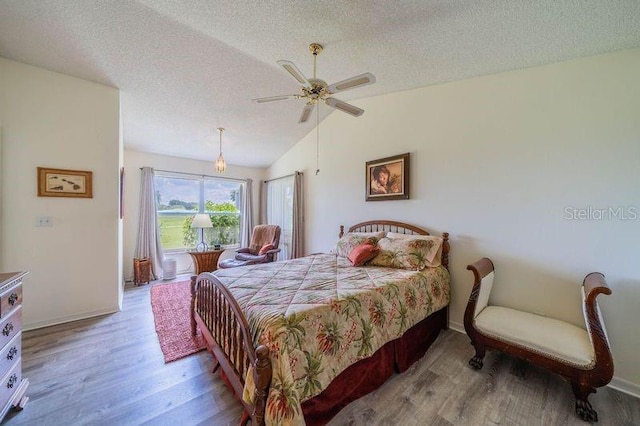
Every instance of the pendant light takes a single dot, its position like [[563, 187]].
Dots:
[[221, 165]]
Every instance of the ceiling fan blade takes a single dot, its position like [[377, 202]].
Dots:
[[306, 113], [291, 68], [274, 98], [352, 83], [344, 107]]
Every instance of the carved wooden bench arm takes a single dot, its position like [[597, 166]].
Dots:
[[593, 285], [483, 284]]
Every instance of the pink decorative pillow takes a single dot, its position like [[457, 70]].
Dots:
[[265, 248], [362, 254]]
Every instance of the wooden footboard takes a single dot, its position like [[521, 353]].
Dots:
[[217, 314]]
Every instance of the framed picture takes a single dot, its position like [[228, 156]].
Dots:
[[387, 178], [64, 183]]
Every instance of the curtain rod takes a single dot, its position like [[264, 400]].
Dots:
[[198, 174], [285, 176]]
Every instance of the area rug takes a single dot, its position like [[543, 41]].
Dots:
[[170, 304]]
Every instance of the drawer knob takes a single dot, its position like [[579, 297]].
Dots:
[[13, 299], [12, 352], [12, 380], [7, 329]]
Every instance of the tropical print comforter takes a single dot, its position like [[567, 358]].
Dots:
[[318, 315]]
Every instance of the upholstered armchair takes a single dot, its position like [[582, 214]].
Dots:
[[262, 249]]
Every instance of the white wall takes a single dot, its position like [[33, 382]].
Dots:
[[134, 160], [495, 161], [56, 121]]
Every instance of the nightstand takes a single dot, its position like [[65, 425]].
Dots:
[[205, 261]]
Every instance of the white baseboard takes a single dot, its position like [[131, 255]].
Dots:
[[625, 386], [616, 383], [76, 317], [456, 326]]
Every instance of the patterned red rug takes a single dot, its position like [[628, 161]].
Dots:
[[170, 304]]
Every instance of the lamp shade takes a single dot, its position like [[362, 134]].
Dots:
[[201, 220]]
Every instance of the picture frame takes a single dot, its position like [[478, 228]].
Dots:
[[387, 178], [65, 183]]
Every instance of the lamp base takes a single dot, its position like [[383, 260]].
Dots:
[[202, 246]]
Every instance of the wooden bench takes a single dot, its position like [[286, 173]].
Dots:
[[580, 355]]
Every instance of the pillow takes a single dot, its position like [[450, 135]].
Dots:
[[376, 235], [406, 253], [434, 256], [398, 235], [265, 248], [348, 242], [362, 254]]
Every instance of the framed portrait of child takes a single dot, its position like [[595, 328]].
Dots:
[[387, 178]]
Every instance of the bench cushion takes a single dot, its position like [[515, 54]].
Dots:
[[549, 337]]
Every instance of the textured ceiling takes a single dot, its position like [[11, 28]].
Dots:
[[185, 68]]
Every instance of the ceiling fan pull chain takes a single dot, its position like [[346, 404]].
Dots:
[[318, 139]]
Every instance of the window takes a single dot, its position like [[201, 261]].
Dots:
[[179, 198]]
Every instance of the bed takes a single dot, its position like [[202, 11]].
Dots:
[[298, 340]]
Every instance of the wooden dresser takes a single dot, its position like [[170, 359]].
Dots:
[[12, 385]]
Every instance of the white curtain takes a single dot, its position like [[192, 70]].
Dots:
[[282, 203], [247, 214], [297, 233], [148, 241], [279, 211]]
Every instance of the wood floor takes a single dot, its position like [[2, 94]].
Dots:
[[110, 371]]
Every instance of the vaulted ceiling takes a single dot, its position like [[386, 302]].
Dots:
[[186, 68]]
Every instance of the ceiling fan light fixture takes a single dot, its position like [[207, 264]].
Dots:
[[221, 165]]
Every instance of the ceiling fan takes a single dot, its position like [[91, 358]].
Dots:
[[314, 90]]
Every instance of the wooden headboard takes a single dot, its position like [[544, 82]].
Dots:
[[399, 228]]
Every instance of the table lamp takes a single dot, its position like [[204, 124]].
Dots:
[[202, 221]]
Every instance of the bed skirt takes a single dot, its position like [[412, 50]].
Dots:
[[369, 374]]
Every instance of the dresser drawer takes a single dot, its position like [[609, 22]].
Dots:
[[10, 298], [10, 354], [10, 326], [10, 383]]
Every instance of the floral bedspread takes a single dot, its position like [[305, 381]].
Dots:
[[318, 315]]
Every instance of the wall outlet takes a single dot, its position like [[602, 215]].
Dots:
[[44, 221]]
